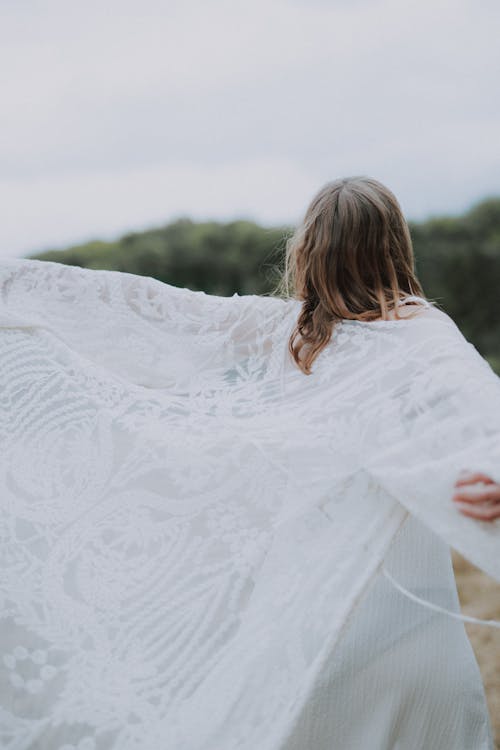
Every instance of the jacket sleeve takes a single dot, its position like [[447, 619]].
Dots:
[[441, 416]]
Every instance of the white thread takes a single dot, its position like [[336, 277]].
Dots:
[[425, 603]]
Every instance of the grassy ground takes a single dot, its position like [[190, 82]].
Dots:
[[480, 597]]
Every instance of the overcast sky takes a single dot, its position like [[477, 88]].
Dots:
[[120, 115]]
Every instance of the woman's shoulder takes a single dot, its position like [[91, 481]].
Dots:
[[419, 310], [424, 324], [430, 311], [424, 309]]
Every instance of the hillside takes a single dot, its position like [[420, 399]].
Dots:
[[457, 262]]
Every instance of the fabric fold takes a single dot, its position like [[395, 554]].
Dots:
[[187, 520]]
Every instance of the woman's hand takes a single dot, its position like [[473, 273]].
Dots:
[[481, 502]]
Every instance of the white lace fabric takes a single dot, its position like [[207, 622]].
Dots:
[[188, 523]]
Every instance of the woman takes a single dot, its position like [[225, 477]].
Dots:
[[352, 259], [225, 521], [332, 281]]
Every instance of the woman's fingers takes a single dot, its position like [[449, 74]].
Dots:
[[479, 496], [480, 512], [469, 477]]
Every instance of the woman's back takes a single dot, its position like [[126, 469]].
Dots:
[[402, 676]]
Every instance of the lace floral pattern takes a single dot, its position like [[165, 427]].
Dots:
[[186, 520]]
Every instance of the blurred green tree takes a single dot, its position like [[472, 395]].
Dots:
[[457, 261]]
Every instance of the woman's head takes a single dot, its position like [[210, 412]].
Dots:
[[350, 258]]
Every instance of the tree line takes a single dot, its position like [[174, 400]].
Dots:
[[457, 260]]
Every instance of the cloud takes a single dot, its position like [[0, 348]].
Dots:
[[102, 94], [58, 209]]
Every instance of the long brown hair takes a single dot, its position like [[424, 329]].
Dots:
[[350, 258]]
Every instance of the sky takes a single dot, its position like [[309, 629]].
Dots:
[[117, 115]]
